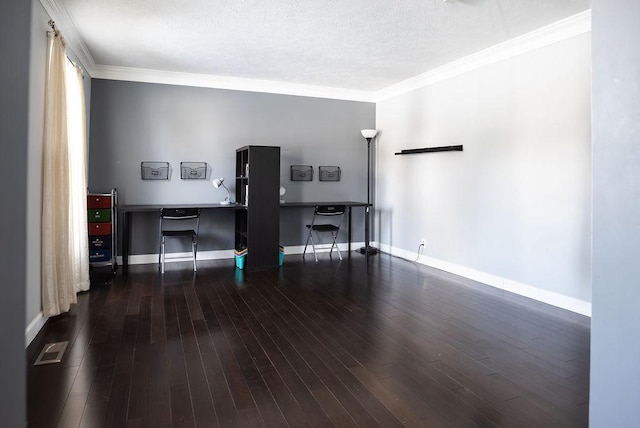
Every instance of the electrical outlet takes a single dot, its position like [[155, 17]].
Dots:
[[423, 242]]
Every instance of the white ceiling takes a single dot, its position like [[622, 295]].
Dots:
[[362, 45]]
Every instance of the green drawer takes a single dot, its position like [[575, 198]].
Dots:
[[98, 215]]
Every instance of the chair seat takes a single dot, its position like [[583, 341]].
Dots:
[[179, 233], [323, 227]]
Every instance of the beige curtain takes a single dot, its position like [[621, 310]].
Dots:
[[65, 253]]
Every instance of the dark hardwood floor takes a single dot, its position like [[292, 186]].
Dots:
[[310, 344]]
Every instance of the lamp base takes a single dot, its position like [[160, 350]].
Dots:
[[225, 202], [372, 250]]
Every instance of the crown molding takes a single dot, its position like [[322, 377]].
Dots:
[[545, 36], [64, 22], [556, 32], [58, 13], [232, 83]]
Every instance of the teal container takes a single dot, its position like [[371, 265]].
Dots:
[[241, 261], [281, 256]]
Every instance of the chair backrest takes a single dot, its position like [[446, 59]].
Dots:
[[180, 214], [329, 210]]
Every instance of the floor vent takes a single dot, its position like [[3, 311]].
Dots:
[[51, 353]]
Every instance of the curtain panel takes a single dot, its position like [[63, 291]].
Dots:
[[65, 253]]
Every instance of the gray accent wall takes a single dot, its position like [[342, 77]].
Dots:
[[37, 77], [615, 332], [133, 122], [15, 27]]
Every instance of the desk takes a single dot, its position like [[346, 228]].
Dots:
[[129, 210]]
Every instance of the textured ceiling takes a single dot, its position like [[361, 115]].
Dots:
[[353, 44]]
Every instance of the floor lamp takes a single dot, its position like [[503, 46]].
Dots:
[[368, 134]]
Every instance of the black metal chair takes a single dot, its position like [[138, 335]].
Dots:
[[325, 212], [170, 220]]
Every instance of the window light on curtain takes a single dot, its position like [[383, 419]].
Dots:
[[65, 257]]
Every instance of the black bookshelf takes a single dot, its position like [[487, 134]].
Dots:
[[257, 189]]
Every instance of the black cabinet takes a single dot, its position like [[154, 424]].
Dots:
[[258, 190]]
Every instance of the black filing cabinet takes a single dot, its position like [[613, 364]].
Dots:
[[102, 218]]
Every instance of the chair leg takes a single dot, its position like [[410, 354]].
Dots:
[[305, 244], [194, 248], [162, 255], [336, 244], [313, 247]]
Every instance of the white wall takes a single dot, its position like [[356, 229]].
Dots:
[[615, 336], [514, 206]]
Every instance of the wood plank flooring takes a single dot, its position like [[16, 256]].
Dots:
[[311, 344]]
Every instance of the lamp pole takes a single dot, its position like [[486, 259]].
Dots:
[[369, 170]]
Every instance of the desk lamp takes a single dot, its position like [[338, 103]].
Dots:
[[219, 182]]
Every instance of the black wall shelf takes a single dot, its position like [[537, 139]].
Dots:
[[430, 150]]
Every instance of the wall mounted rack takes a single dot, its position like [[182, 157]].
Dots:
[[329, 173], [193, 170], [430, 150], [154, 170], [301, 173]]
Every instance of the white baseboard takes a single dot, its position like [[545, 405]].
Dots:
[[145, 259], [321, 248], [34, 328], [549, 297], [142, 259]]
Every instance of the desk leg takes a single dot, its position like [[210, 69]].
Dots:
[[126, 241], [349, 231], [366, 233]]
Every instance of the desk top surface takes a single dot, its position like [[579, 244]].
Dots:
[[158, 207], [313, 204]]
